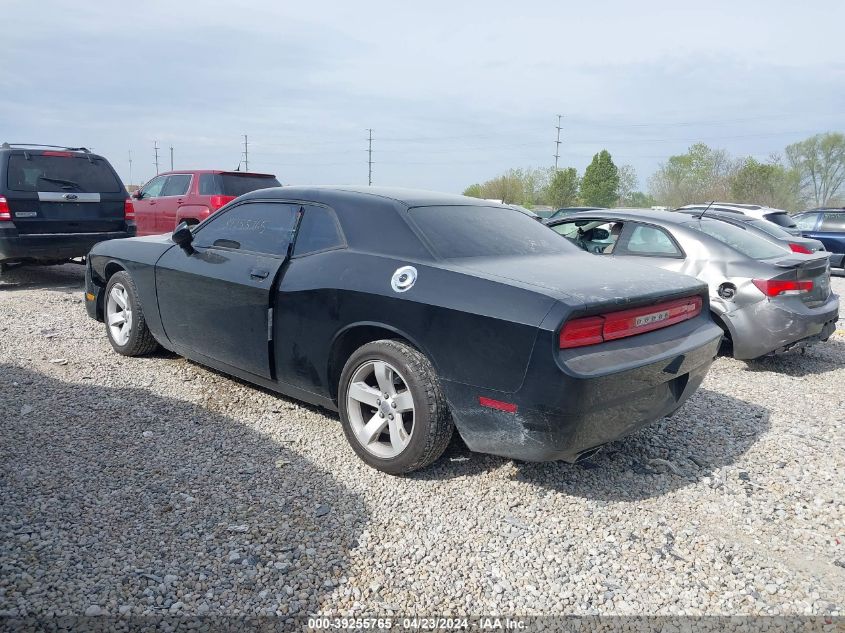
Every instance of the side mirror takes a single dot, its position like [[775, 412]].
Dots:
[[183, 237], [600, 235], [137, 195]]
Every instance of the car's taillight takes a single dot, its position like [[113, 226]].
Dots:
[[624, 323], [5, 214], [775, 287], [797, 248], [128, 210], [57, 154], [218, 201]]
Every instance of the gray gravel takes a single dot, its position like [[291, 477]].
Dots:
[[157, 486]]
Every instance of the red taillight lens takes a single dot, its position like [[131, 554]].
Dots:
[[5, 214], [128, 210], [775, 287], [218, 201], [59, 154], [507, 407], [625, 323], [797, 248]]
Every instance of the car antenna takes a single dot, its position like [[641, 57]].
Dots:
[[706, 209]]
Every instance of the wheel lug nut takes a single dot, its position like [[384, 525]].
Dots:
[[390, 416], [381, 415], [386, 396], [393, 404], [378, 401]]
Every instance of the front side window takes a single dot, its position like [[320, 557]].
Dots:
[[650, 240], [258, 227], [176, 185], [318, 231], [807, 222], [737, 238], [834, 222], [475, 231], [153, 188], [60, 172], [593, 236]]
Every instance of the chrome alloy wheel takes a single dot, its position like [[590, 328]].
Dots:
[[380, 408], [119, 314]]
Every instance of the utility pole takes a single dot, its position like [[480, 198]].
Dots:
[[130, 168], [246, 153], [557, 142], [171, 158], [370, 155], [155, 149]]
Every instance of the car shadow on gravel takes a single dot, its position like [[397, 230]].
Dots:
[[113, 496], [816, 359], [30, 277], [710, 431]]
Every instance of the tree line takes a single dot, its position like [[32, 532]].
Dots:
[[809, 173]]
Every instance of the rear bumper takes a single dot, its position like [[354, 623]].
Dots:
[[568, 407], [771, 326], [55, 246]]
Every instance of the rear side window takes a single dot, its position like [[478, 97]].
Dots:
[[471, 231], [781, 219], [259, 227], [209, 185], [318, 231], [73, 173], [833, 222], [649, 240], [176, 185], [237, 185], [737, 238]]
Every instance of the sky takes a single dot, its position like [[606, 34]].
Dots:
[[455, 92]]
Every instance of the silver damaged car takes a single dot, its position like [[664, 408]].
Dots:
[[767, 298]]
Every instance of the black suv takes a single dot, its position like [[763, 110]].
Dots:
[[57, 202]]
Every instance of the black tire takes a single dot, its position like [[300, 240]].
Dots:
[[432, 424], [140, 341]]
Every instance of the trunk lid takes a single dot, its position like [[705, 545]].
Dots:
[[63, 192], [589, 280], [808, 268]]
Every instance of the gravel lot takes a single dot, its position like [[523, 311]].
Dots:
[[154, 485]]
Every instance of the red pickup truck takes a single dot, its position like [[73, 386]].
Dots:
[[190, 196]]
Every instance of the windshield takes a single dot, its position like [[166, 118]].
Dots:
[[781, 219], [39, 172], [737, 238], [472, 231]]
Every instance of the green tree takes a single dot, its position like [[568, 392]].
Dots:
[[562, 191], [473, 191], [820, 162], [770, 184], [600, 184], [639, 200], [700, 174], [627, 185]]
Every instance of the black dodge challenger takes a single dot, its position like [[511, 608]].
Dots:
[[412, 313]]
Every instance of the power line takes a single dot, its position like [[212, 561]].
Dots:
[[370, 155], [155, 149], [557, 142], [246, 153]]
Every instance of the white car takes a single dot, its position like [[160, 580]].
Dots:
[[775, 216]]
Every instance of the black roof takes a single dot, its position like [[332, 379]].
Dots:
[[406, 197]]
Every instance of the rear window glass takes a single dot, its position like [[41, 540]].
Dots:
[[770, 229], [738, 238], [471, 231], [781, 219], [833, 222], [61, 173], [235, 185]]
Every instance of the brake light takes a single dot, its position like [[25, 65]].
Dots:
[[775, 287], [218, 201], [128, 210], [797, 248], [59, 154], [5, 214], [624, 323]]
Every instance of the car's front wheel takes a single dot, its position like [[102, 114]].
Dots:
[[393, 411], [125, 324]]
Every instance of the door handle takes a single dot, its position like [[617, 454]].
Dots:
[[259, 273]]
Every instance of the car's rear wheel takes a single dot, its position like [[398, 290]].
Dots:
[[125, 324], [393, 411]]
